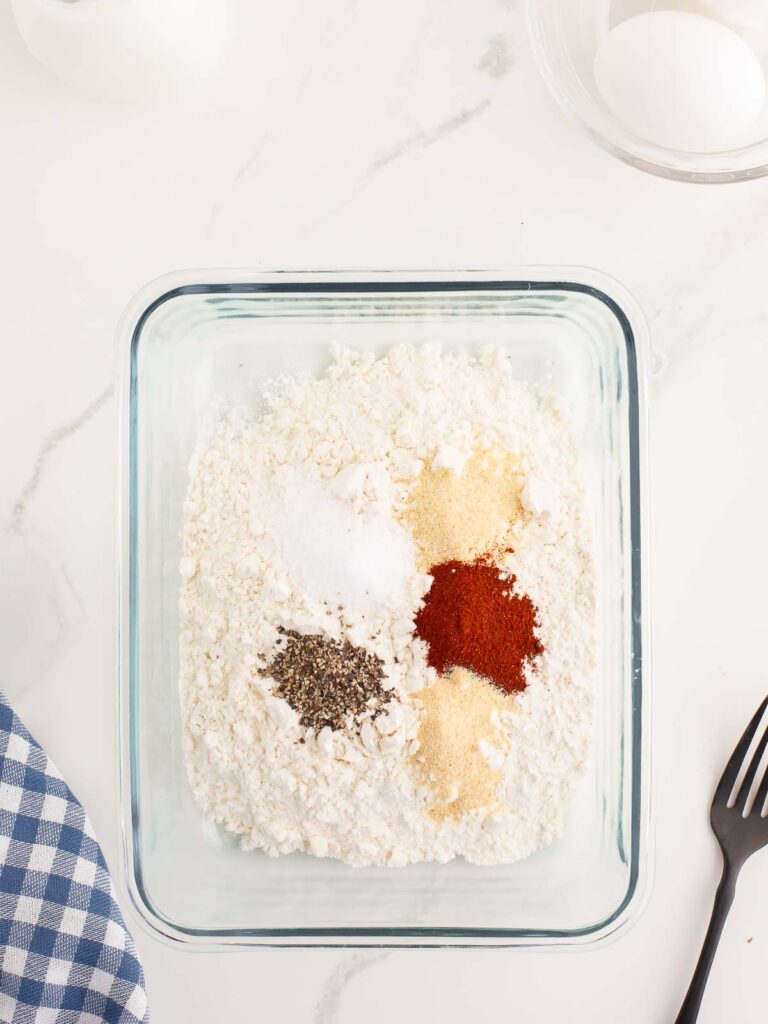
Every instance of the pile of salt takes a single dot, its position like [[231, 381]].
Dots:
[[363, 562]]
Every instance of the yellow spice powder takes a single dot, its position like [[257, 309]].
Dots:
[[458, 716], [463, 517]]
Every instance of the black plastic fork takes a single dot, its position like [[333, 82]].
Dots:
[[740, 834]]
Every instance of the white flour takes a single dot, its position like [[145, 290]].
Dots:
[[361, 435]]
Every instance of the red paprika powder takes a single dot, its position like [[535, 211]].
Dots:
[[471, 619]]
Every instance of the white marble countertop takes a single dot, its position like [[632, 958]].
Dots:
[[349, 133]]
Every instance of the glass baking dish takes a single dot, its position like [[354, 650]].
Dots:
[[189, 340]]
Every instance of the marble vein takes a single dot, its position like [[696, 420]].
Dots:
[[420, 32], [327, 1008], [269, 137], [498, 59], [418, 140], [50, 443], [426, 137]]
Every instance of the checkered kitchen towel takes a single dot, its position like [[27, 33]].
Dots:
[[65, 954]]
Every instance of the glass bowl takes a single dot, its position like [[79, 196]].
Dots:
[[565, 36], [186, 341]]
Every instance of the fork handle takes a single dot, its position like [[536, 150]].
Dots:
[[723, 900]]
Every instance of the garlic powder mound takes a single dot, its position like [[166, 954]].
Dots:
[[460, 738], [461, 516]]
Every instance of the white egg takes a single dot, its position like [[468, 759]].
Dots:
[[681, 80], [745, 13]]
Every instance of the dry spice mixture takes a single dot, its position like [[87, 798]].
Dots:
[[461, 739], [472, 618], [328, 682], [461, 516], [394, 764]]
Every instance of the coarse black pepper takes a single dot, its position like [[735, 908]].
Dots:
[[326, 681]]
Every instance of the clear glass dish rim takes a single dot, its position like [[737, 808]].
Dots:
[[726, 167], [511, 279]]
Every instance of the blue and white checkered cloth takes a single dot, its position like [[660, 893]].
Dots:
[[65, 954]]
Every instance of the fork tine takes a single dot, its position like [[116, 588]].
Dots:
[[749, 778], [761, 795], [731, 773]]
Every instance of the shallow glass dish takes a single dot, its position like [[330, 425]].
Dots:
[[187, 342], [565, 36]]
